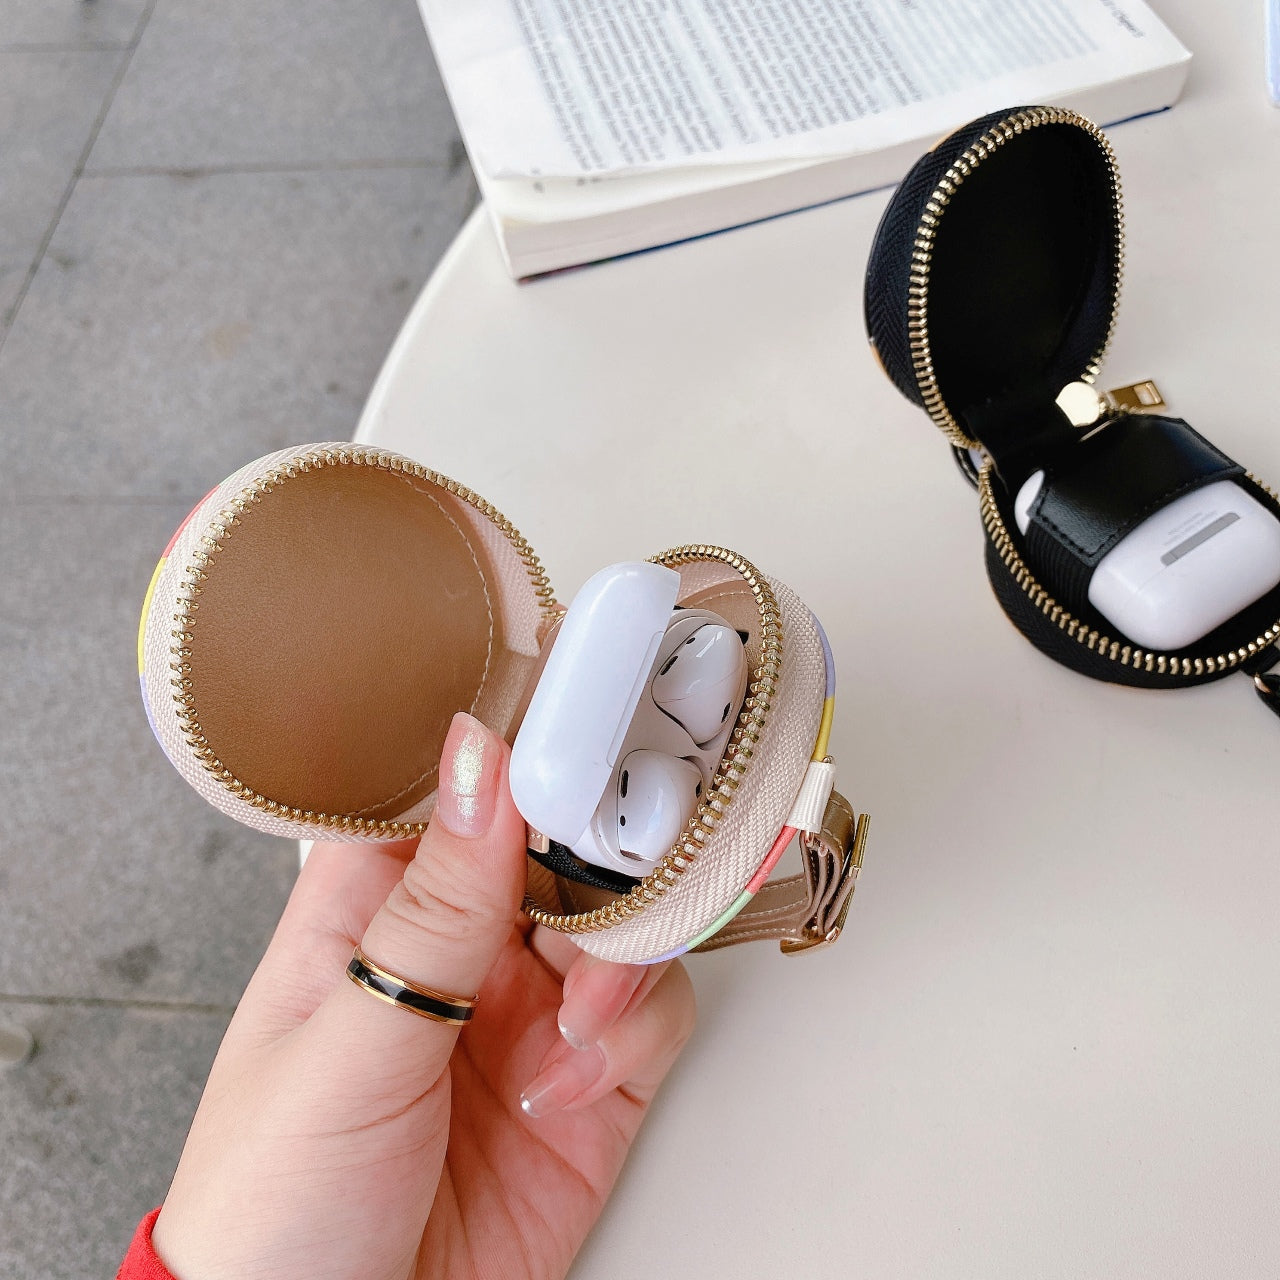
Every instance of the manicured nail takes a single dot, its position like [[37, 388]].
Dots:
[[596, 1001], [570, 1074], [468, 794]]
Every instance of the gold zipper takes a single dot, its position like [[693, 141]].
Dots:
[[1086, 406], [728, 778], [1137, 398], [1099, 642], [186, 619], [922, 254], [732, 769]]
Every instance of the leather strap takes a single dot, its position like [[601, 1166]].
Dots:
[[801, 912], [807, 910], [1101, 490]]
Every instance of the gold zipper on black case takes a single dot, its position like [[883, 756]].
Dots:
[[1108, 406], [922, 253], [1105, 646]]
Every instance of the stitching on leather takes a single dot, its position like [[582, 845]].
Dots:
[[780, 885], [409, 786], [769, 913], [484, 586], [434, 769], [754, 935], [719, 595]]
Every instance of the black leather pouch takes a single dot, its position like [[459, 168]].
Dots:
[[991, 294], [1097, 492]]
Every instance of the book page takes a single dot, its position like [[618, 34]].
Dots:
[[589, 88]]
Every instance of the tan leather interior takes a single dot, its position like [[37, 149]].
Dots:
[[343, 622]]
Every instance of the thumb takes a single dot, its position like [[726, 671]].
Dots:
[[440, 928]]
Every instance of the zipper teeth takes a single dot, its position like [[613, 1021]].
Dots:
[[922, 362], [186, 619], [922, 253], [1099, 642], [733, 767]]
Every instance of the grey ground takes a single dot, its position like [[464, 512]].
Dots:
[[213, 218]]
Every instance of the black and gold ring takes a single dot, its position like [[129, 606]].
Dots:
[[426, 1003]]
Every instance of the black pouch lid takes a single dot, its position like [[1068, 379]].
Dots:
[[994, 277]]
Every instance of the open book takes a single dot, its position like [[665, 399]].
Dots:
[[603, 127]]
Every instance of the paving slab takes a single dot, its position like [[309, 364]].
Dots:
[[181, 322], [75, 23], [117, 881], [49, 102], [91, 1128], [264, 82], [180, 326]]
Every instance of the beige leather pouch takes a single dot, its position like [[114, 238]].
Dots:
[[321, 615]]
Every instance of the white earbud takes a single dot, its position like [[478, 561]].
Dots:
[[701, 684], [653, 798], [629, 720]]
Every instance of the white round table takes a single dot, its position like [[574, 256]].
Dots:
[[1047, 1043]]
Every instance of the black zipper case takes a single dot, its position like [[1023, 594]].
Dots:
[[990, 299]]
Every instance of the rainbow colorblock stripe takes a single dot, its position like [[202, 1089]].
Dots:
[[787, 834], [149, 599]]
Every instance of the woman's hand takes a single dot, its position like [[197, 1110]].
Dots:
[[339, 1136]]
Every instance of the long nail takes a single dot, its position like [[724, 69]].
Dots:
[[570, 1074], [596, 1001], [468, 794]]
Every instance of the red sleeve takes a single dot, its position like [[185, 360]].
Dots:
[[141, 1262]]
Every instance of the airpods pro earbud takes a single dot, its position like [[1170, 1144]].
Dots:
[[629, 720], [701, 684], [683, 717], [654, 796]]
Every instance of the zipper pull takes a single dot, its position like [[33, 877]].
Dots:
[[1267, 683], [1137, 397], [1084, 404]]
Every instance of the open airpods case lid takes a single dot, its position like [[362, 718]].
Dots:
[[321, 615], [994, 277]]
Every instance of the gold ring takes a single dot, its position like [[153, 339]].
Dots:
[[426, 1003]]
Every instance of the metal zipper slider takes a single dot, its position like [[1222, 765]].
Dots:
[[1084, 404], [1263, 668], [1267, 683], [1137, 397]]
